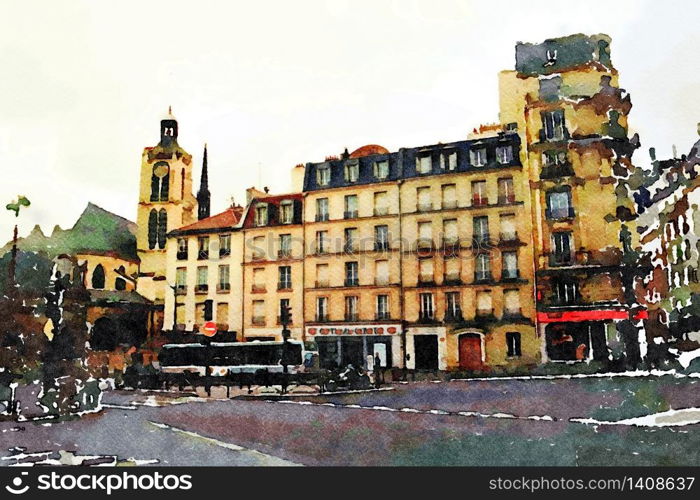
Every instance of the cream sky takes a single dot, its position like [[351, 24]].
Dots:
[[272, 84]]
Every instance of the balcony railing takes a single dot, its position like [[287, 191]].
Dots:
[[352, 282], [321, 217], [560, 213], [426, 317], [381, 246], [284, 285], [453, 315], [203, 255], [384, 315], [481, 241], [425, 207], [425, 244], [482, 276], [284, 252], [448, 205], [201, 289], [507, 199], [508, 237], [560, 259], [224, 252], [181, 289], [480, 201], [223, 287], [259, 289], [182, 255], [452, 279], [350, 214]]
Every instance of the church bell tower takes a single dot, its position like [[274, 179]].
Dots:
[[165, 203]]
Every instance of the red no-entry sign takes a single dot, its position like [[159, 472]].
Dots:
[[209, 329]]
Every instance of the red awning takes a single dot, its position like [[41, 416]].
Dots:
[[588, 315]]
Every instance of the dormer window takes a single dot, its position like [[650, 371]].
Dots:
[[424, 164], [323, 175], [477, 157], [551, 58], [352, 171], [504, 154], [286, 212], [381, 169], [261, 215], [168, 131]]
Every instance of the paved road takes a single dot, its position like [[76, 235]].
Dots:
[[452, 423]]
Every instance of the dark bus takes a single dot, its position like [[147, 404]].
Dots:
[[230, 357]]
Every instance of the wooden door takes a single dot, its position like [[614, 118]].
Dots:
[[470, 351]]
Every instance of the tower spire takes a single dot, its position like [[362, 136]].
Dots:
[[203, 195]]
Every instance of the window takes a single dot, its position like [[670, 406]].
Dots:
[[449, 232], [203, 246], [479, 196], [483, 267], [561, 248], [284, 312], [424, 164], [160, 181], [208, 310], [511, 300], [559, 204], [566, 291], [477, 157], [481, 230], [258, 248], [381, 169], [350, 239], [261, 214], [504, 154], [285, 243], [350, 206], [452, 270], [427, 307], [224, 245], [553, 125], [180, 280], [554, 158], [351, 313], [202, 279], [510, 266], [424, 201], [449, 196], [323, 175], [425, 234], [120, 283], [381, 237], [513, 344], [448, 161], [182, 249], [506, 194], [321, 241], [483, 304], [224, 278], [258, 312], [259, 279], [287, 212], [381, 203], [321, 275], [98, 277], [453, 308], [321, 308], [507, 228], [352, 171], [426, 271], [351, 274], [381, 272], [322, 209], [382, 307], [157, 228], [285, 278]]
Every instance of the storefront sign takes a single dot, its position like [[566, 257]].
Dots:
[[354, 330]]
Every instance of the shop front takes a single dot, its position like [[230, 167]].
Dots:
[[341, 345]]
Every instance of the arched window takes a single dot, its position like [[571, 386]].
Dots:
[[152, 229], [120, 284], [160, 181], [162, 227], [98, 277]]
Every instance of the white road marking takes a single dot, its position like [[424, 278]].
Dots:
[[545, 418], [670, 418], [223, 444]]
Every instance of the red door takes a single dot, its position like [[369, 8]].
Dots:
[[470, 351]]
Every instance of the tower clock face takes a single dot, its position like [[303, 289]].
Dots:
[[161, 170]]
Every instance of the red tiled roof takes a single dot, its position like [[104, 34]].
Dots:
[[225, 220]]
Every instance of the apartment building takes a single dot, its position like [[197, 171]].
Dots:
[[273, 265]]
